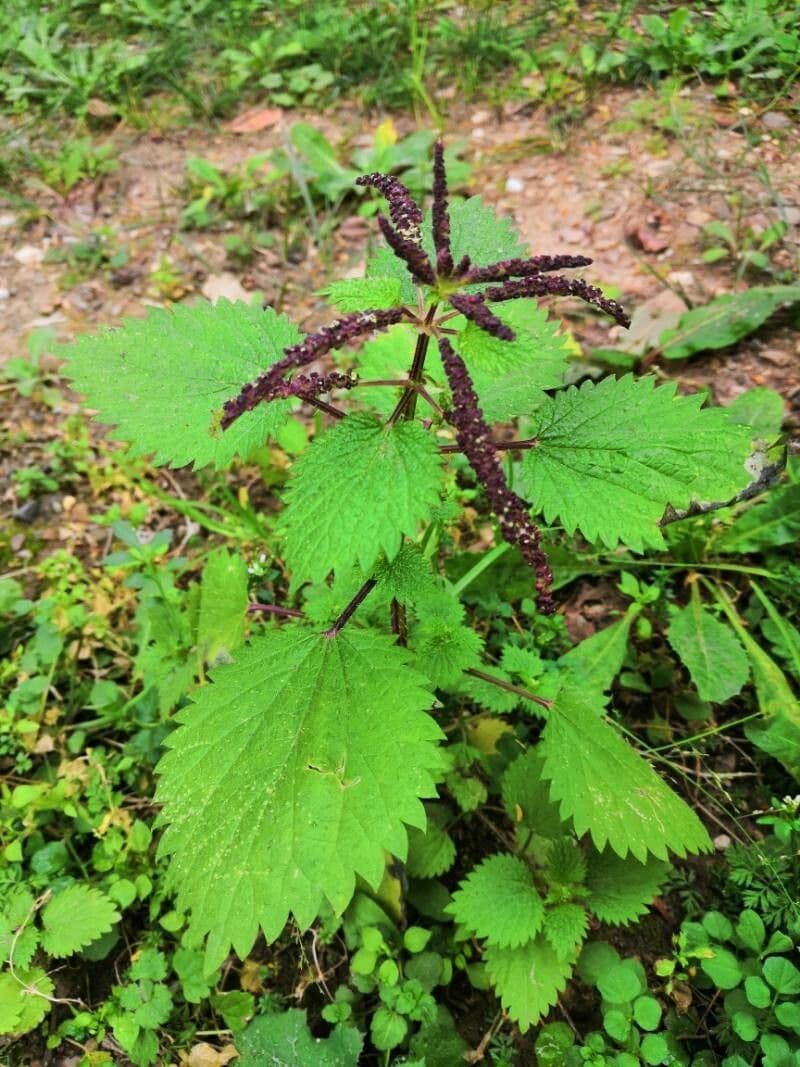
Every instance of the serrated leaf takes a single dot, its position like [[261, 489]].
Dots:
[[566, 865], [444, 650], [476, 230], [362, 294], [510, 376], [622, 890], [223, 606], [598, 659], [499, 902], [724, 320], [710, 651], [761, 410], [527, 979], [161, 379], [565, 927], [373, 483], [607, 788], [526, 796], [408, 578], [288, 763], [74, 918], [24, 1000], [385, 264], [612, 456], [770, 523], [431, 850]]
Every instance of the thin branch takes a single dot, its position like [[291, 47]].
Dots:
[[329, 409], [342, 621], [510, 687], [275, 609], [507, 446], [407, 403], [770, 476]]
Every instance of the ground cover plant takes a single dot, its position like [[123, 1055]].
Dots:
[[327, 778]]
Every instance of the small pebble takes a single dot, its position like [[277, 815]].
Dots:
[[514, 185]]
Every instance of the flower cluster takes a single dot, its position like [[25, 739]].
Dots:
[[456, 283], [475, 441]]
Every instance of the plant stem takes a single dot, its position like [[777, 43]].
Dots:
[[407, 404], [482, 564], [507, 446], [341, 622], [276, 609], [315, 402], [509, 687]]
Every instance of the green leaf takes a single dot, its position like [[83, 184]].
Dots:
[[782, 635], [431, 851], [444, 650], [717, 926], [565, 927], [408, 577], [788, 1015], [757, 991], [235, 1007], [782, 975], [622, 890], [607, 788], [750, 930], [724, 320], [723, 968], [613, 455], [510, 376], [284, 1040], [598, 659], [188, 965], [621, 983], [710, 650], [372, 483], [527, 979], [74, 918], [388, 1028], [617, 1025], [24, 1000], [364, 294], [647, 1012], [223, 606], [566, 864], [773, 522], [744, 1025], [476, 230], [596, 958], [161, 379], [526, 796], [281, 784], [655, 1049], [498, 901], [760, 409], [385, 264]]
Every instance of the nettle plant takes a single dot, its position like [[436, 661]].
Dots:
[[303, 768]]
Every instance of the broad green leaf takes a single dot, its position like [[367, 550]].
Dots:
[[527, 979], [510, 376], [772, 522], [750, 930], [710, 650], [74, 918], [725, 320], [281, 784], [444, 650], [385, 264], [723, 968], [609, 789], [408, 578], [431, 850], [782, 975], [371, 483], [24, 1000], [476, 230], [362, 294], [162, 379], [565, 927], [622, 890], [622, 983], [761, 409], [499, 902], [526, 796], [597, 660], [612, 456], [282, 1039], [223, 605]]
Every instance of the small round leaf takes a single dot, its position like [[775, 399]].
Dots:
[[647, 1012], [723, 969], [654, 1049], [782, 975], [745, 1026]]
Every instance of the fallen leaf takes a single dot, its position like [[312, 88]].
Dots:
[[254, 120], [205, 1055]]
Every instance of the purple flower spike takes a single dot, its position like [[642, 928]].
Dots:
[[473, 306], [523, 268], [409, 251], [441, 215], [305, 385], [474, 440], [326, 339], [542, 285], [404, 211]]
